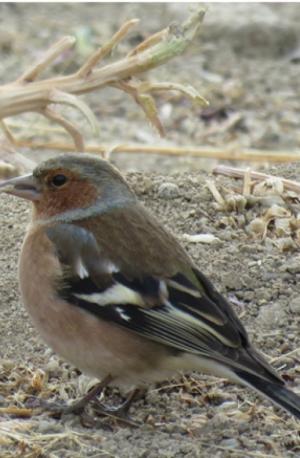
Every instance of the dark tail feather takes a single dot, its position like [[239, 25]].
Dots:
[[276, 392]]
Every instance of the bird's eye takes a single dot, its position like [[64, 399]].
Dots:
[[59, 180]]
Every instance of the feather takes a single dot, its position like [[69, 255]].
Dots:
[[115, 294], [166, 300]]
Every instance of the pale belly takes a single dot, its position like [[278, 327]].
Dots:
[[98, 348], [95, 347]]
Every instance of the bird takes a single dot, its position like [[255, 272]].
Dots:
[[112, 291]]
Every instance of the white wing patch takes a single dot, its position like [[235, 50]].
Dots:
[[123, 314], [110, 267], [116, 294], [82, 272], [81, 269]]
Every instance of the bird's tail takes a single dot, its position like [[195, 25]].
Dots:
[[275, 391]]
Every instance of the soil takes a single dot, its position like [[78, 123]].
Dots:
[[246, 62]]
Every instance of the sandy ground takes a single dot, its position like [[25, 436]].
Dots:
[[246, 64]]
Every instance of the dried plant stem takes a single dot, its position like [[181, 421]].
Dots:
[[285, 355], [47, 59], [26, 94], [207, 152], [247, 182], [7, 132], [213, 189], [239, 452], [18, 411], [106, 49], [68, 126], [152, 40], [240, 173]]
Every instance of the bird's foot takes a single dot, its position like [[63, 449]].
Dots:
[[57, 410], [119, 413]]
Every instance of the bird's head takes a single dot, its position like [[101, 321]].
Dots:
[[68, 183]]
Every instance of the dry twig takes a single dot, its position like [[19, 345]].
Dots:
[[177, 151], [240, 173], [27, 94]]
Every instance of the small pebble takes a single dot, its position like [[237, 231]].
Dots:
[[271, 315], [248, 296], [168, 191], [295, 305], [7, 364], [226, 235], [200, 238], [228, 405], [52, 365], [231, 281], [230, 443], [293, 266], [48, 427]]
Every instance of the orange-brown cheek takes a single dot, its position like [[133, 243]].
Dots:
[[70, 197]]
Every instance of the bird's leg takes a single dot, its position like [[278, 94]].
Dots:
[[78, 406], [57, 410], [121, 411]]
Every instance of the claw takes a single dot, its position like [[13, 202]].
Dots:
[[120, 413]]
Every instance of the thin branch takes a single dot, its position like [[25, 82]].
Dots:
[[146, 102], [247, 182], [64, 98], [186, 90], [7, 132], [240, 173], [56, 50], [67, 125], [216, 194], [23, 96], [207, 152], [285, 355], [150, 41], [106, 48]]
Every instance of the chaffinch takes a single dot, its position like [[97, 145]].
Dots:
[[114, 293]]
